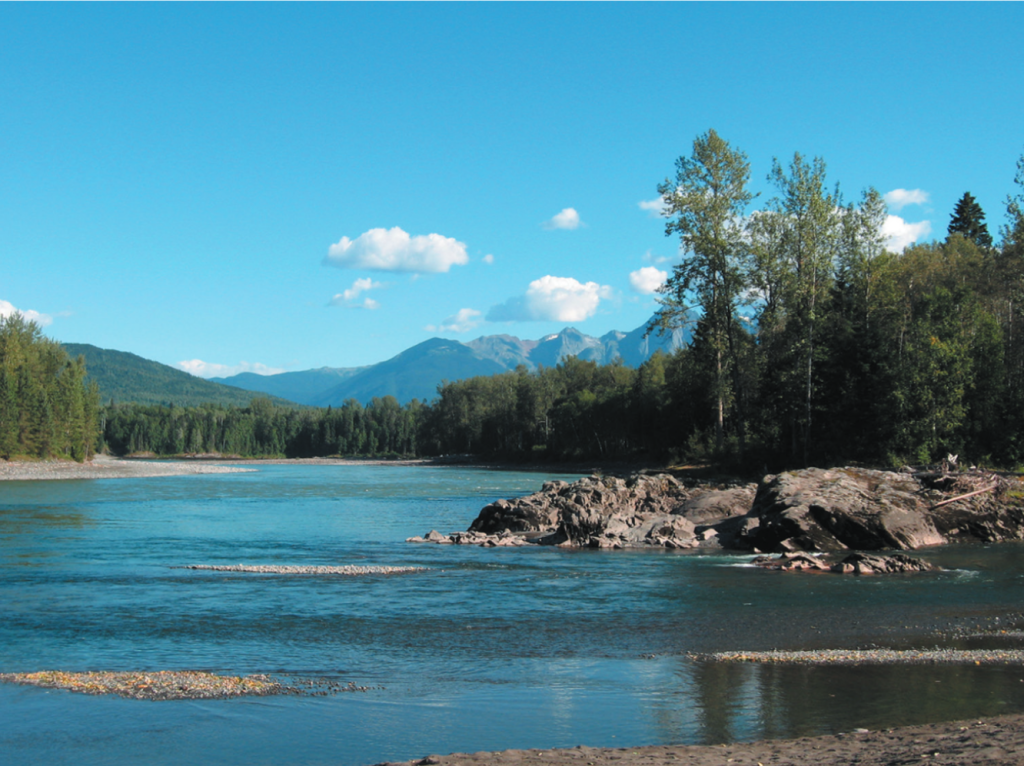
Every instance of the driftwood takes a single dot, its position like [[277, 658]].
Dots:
[[963, 497]]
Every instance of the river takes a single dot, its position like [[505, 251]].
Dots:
[[483, 649]]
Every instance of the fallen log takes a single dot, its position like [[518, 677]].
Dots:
[[963, 497]]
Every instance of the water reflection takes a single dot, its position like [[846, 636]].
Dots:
[[747, 701], [33, 536]]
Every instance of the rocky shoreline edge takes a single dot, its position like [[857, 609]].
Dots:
[[993, 742]]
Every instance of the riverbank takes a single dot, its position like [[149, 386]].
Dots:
[[108, 467], [993, 741]]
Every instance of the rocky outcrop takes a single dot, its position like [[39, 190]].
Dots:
[[609, 512], [813, 509]]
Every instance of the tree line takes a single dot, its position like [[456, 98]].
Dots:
[[47, 409], [812, 343]]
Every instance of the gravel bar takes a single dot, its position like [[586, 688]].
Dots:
[[105, 467], [303, 570], [161, 685], [875, 657]]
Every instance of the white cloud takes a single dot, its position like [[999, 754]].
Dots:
[[7, 309], [462, 321], [655, 207], [647, 280], [488, 259], [348, 297], [650, 257], [898, 199], [899, 233], [559, 299], [394, 250], [567, 219], [202, 369]]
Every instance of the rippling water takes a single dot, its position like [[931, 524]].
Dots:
[[485, 649]]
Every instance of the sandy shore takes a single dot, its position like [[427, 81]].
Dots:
[[104, 467], [993, 741]]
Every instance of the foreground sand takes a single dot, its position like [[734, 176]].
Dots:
[[993, 741]]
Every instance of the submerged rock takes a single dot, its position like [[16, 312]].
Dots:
[[854, 563]]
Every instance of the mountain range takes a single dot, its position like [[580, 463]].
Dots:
[[417, 372]]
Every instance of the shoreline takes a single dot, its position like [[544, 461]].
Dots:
[[997, 741], [108, 467]]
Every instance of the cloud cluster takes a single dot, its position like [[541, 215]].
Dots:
[[558, 299], [655, 207], [899, 233], [395, 250], [7, 309], [567, 219], [898, 199], [349, 297], [647, 280], [202, 369], [463, 320]]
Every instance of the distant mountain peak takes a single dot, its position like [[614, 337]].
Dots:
[[416, 372]]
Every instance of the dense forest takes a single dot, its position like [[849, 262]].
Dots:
[[813, 344], [47, 409]]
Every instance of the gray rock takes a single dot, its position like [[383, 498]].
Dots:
[[717, 504], [821, 510], [812, 509]]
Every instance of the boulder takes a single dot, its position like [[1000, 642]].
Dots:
[[846, 508], [717, 504]]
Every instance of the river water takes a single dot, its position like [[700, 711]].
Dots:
[[485, 649]]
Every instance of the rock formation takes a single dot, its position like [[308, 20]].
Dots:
[[812, 509]]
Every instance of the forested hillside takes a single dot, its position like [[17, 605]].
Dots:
[[47, 409], [813, 344], [126, 377]]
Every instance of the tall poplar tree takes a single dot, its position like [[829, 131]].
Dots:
[[800, 239], [705, 204]]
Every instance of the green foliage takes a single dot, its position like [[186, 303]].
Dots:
[[46, 407], [264, 429], [705, 205]]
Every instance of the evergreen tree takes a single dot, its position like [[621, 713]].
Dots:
[[968, 220]]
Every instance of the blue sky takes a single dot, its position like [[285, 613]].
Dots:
[[288, 186]]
